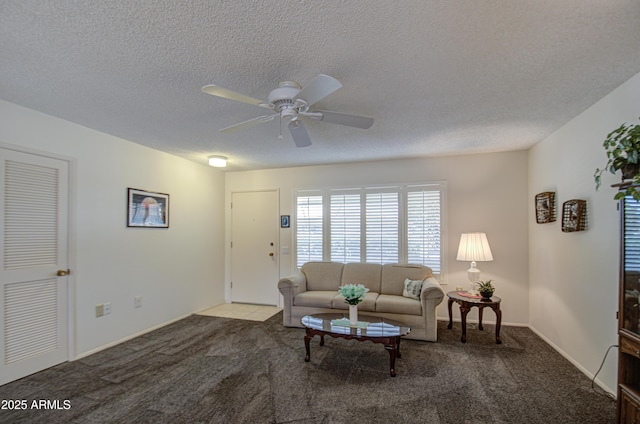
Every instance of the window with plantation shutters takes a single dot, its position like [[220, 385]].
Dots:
[[381, 227], [378, 225], [345, 223], [631, 234], [423, 228], [309, 229]]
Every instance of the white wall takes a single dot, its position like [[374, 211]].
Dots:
[[574, 276], [176, 271], [484, 193]]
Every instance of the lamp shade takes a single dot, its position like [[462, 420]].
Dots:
[[474, 247]]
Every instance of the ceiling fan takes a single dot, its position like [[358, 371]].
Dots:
[[290, 101]]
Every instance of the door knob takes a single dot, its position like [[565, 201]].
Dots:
[[62, 272], [270, 253]]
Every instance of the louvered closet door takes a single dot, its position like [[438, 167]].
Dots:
[[33, 310]]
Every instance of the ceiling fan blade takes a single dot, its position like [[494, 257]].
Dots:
[[232, 95], [247, 124], [357, 121], [319, 88], [299, 134]]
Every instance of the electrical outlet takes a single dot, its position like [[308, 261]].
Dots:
[[137, 302], [99, 310], [107, 308]]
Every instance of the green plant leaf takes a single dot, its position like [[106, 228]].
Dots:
[[622, 147]]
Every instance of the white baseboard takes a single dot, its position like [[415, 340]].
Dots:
[[576, 364], [550, 343], [132, 336]]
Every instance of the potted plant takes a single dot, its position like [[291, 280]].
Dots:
[[623, 154], [486, 289]]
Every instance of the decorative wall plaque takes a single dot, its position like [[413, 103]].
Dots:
[[545, 207], [574, 215]]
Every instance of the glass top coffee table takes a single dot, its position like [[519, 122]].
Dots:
[[374, 329]]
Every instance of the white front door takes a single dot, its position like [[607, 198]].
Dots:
[[254, 247], [33, 259]]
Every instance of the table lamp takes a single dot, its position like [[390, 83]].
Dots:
[[474, 247]]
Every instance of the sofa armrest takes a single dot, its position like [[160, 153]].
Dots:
[[430, 297], [289, 287], [431, 290], [296, 283]]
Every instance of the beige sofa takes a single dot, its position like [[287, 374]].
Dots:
[[315, 290]]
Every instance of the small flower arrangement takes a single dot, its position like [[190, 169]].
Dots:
[[353, 293]]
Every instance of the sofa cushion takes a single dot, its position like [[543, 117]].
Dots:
[[398, 305], [393, 277], [316, 298], [367, 304], [412, 289], [323, 275], [361, 273]]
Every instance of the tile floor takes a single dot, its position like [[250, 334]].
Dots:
[[242, 311]]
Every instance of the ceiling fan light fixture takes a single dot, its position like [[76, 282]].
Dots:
[[289, 114], [218, 161]]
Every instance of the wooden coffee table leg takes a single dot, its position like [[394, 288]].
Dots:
[[450, 326], [307, 338], [391, 348], [480, 309], [398, 347], [498, 322], [464, 310]]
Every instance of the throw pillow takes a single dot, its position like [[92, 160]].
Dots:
[[412, 289]]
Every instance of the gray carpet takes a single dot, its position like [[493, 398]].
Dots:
[[219, 370]]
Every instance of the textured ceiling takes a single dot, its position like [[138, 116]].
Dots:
[[439, 77]]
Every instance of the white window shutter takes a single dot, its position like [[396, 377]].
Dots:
[[381, 228], [309, 229], [424, 229], [345, 227]]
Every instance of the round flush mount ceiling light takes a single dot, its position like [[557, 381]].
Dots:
[[218, 161]]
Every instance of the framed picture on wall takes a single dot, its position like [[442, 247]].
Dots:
[[146, 209], [284, 221], [545, 207]]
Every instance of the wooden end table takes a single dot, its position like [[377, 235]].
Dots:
[[466, 303]]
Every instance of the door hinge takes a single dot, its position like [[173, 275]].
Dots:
[[231, 284], [232, 245]]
